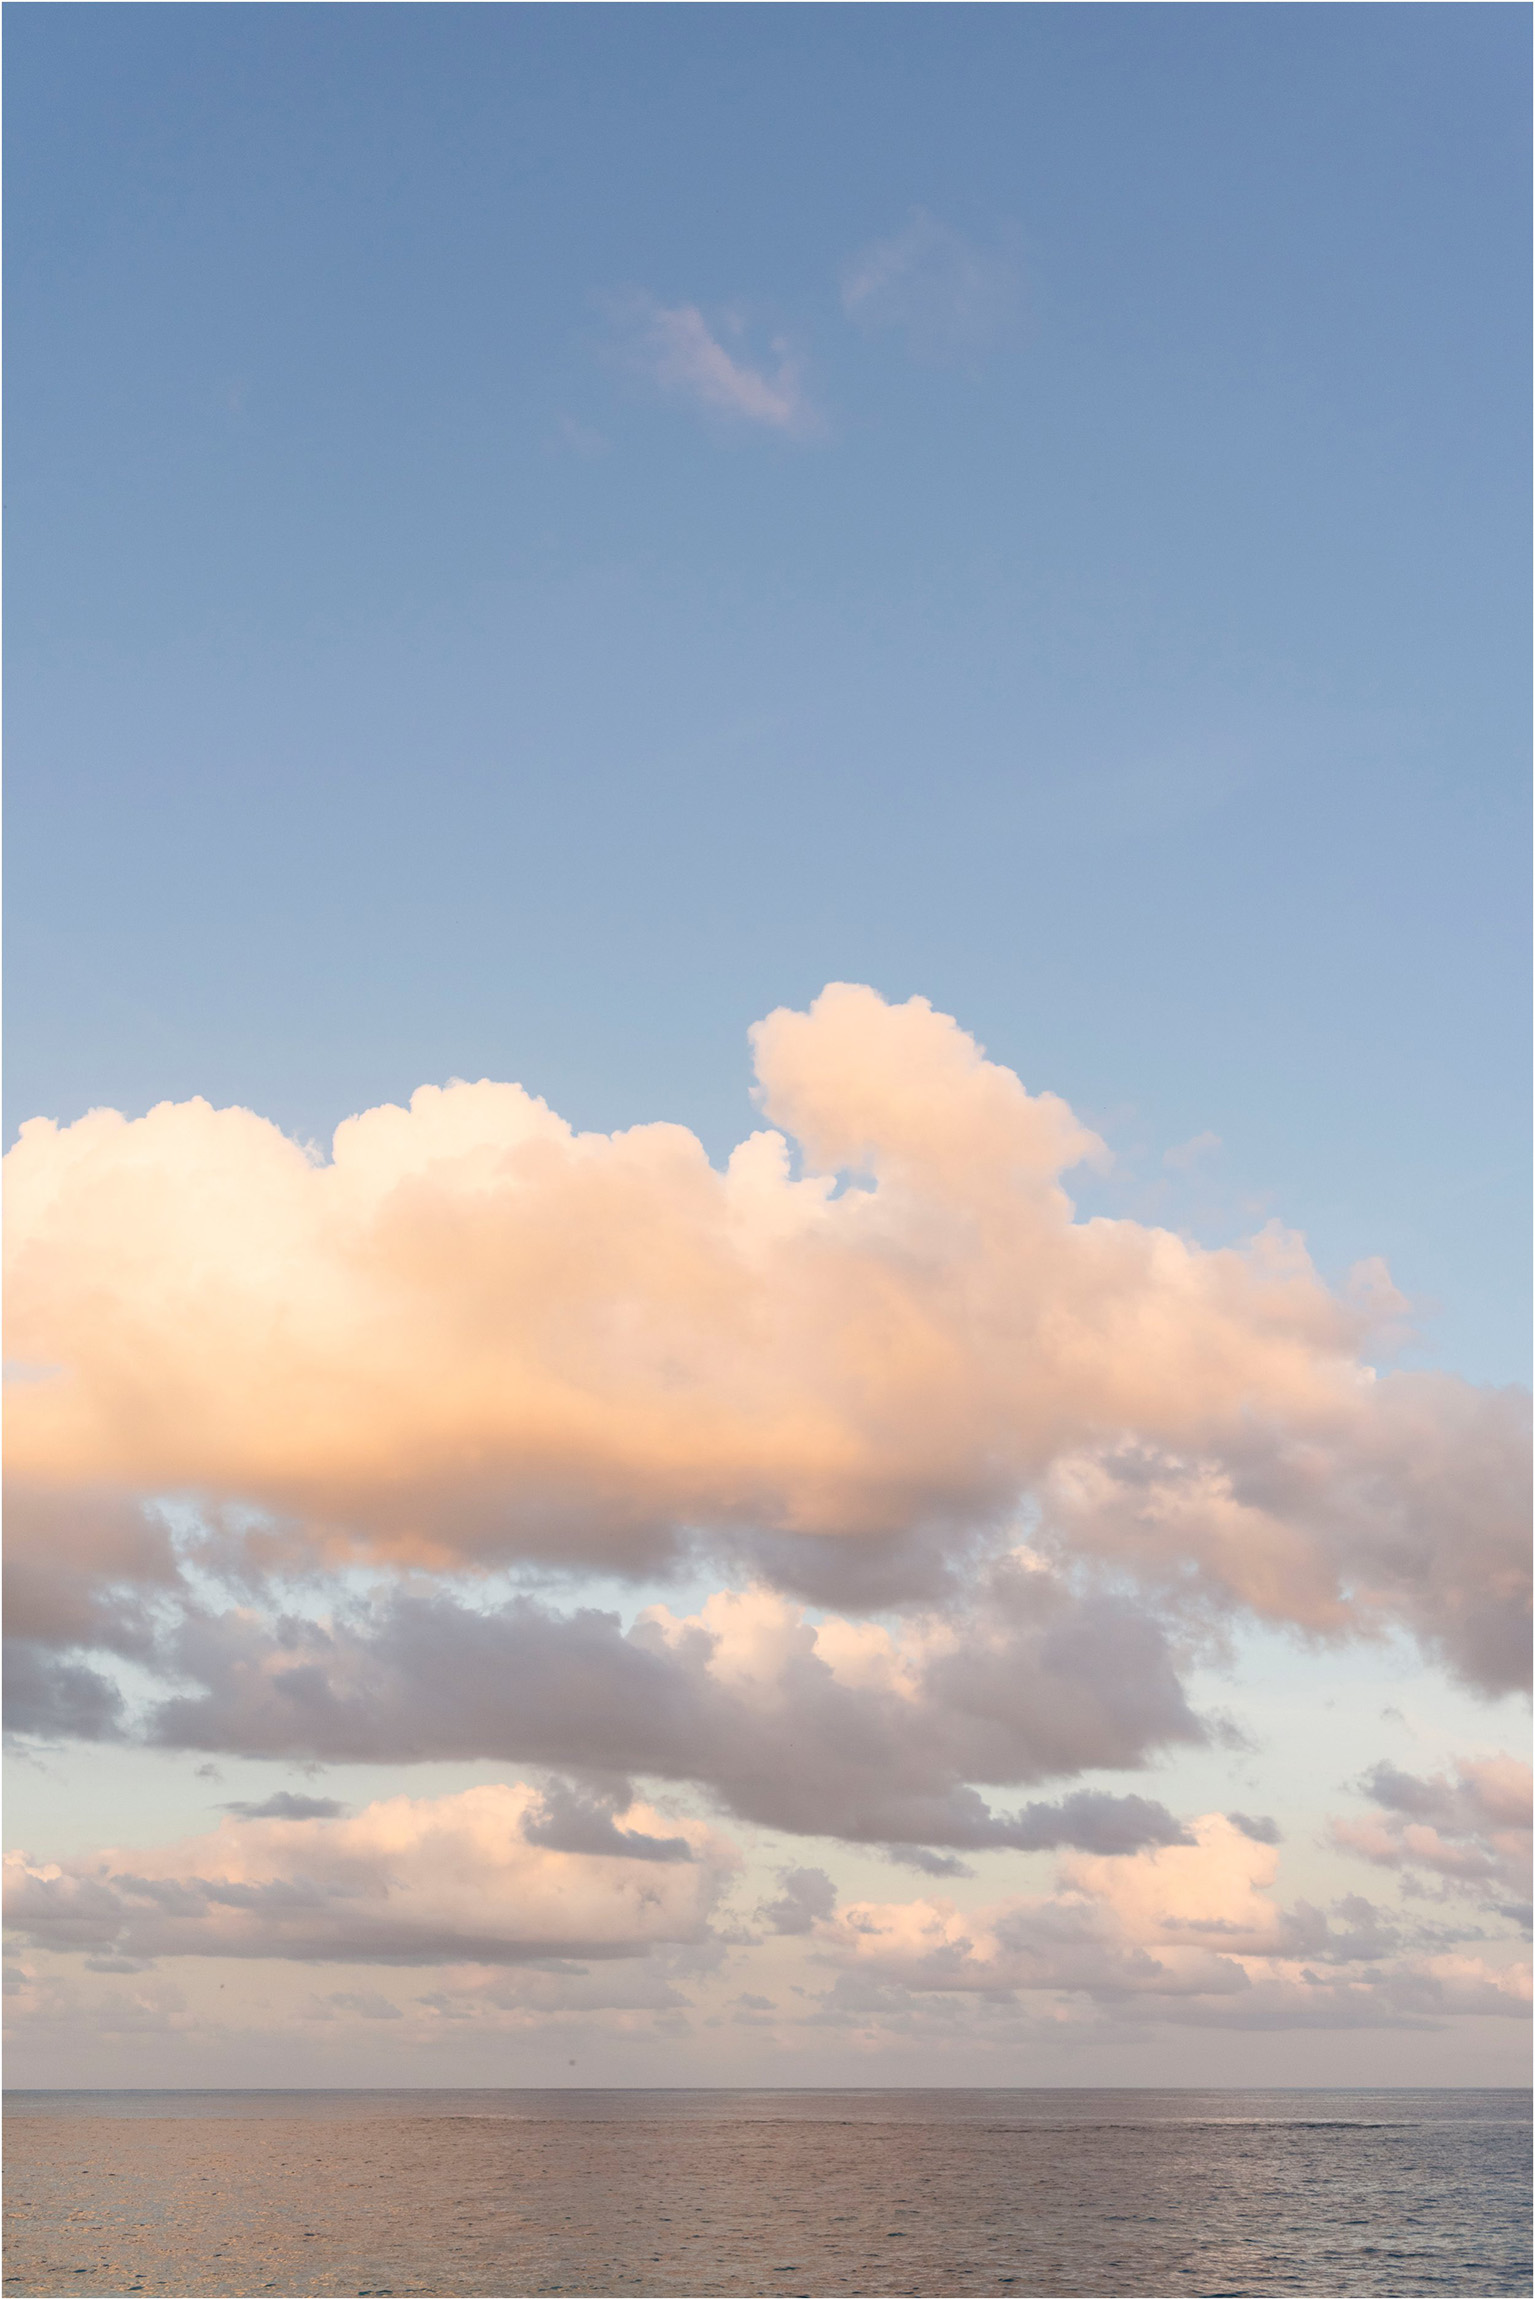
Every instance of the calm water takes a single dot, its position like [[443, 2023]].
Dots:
[[1102, 2192]]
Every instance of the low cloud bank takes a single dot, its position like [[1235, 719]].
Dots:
[[1182, 1933], [408, 1881]]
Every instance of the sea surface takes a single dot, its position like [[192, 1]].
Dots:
[[1113, 2193]]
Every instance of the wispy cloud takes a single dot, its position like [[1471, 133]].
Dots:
[[950, 298], [687, 359], [1185, 1155], [581, 439]]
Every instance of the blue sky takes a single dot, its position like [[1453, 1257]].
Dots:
[[400, 689], [541, 535]]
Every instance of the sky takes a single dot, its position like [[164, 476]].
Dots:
[[767, 1044]]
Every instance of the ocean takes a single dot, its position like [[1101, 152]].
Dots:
[[1112, 2193]]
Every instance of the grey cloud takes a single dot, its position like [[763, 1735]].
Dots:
[[1037, 1683], [1093, 1822], [573, 1822], [283, 1805], [1258, 1826], [82, 1575], [86, 1573], [1470, 1830], [808, 1894], [50, 1697], [926, 1862]]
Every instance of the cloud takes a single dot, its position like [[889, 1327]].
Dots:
[[81, 1566], [51, 1697], [1405, 1511], [831, 1728], [365, 2004], [572, 1821], [475, 1336], [683, 356], [1185, 1933], [408, 1881], [949, 298], [808, 1894], [1472, 1830], [283, 1805], [1259, 1827]]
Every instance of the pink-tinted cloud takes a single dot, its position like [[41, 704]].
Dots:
[[408, 1881], [475, 1335], [1471, 1831], [1187, 1933], [675, 346]]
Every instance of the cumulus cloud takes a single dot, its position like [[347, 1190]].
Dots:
[[677, 349], [1186, 1933], [949, 298], [1472, 1829], [407, 1881], [475, 1335]]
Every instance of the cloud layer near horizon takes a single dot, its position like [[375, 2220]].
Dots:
[[469, 1878], [1188, 1933], [1185, 1933], [475, 1335]]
